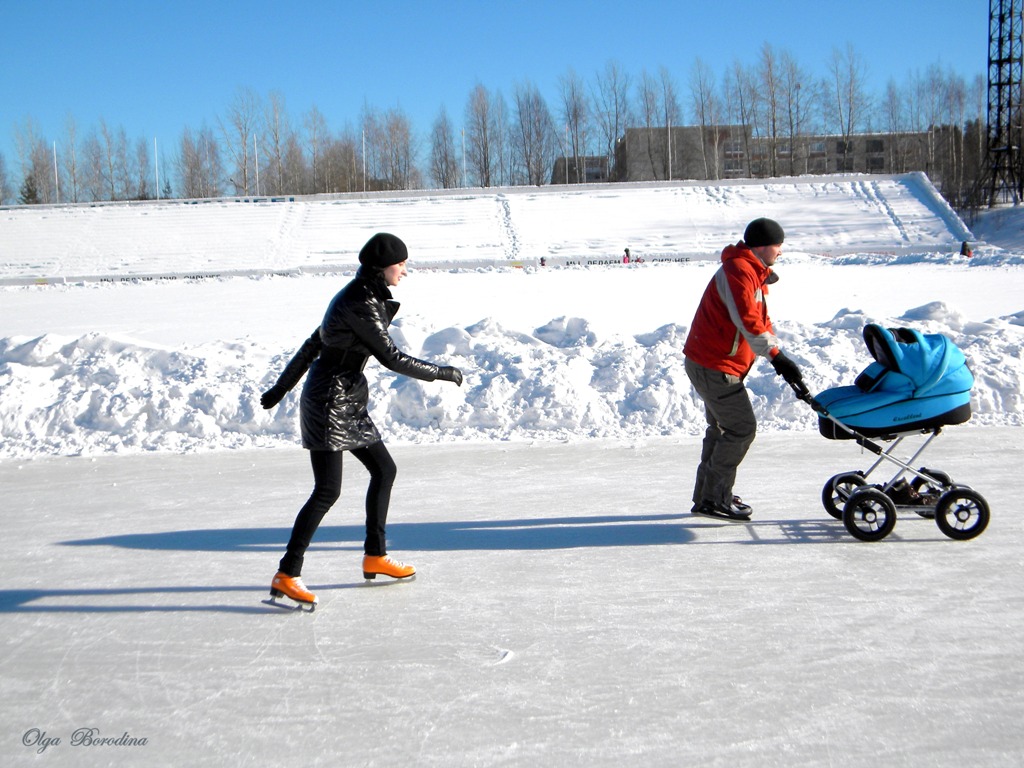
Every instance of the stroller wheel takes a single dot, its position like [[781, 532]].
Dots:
[[838, 489], [962, 513], [869, 515]]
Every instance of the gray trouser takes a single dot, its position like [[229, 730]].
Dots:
[[731, 428]]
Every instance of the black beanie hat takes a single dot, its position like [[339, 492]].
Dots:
[[382, 250], [763, 232]]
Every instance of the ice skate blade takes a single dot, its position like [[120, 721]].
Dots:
[[719, 516], [372, 576], [300, 607], [275, 595]]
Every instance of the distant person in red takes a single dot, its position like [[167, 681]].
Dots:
[[730, 330], [626, 259], [333, 408]]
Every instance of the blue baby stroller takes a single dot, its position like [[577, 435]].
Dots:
[[917, 385]]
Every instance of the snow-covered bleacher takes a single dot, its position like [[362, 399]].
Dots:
[[470, 228]]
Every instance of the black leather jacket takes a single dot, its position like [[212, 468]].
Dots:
[[334, 413]]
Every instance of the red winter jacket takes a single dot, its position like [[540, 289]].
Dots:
[[732, 327]]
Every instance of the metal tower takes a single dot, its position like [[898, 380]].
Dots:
[[1005, 49]]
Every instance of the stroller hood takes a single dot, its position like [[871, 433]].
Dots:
[[932, 364], [917, 382]]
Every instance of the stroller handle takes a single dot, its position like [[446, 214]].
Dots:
[[802, 393]]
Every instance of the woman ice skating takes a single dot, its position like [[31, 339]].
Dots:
[[333, 408]]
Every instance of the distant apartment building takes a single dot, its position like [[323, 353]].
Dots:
[[733, 151], [581, 170]]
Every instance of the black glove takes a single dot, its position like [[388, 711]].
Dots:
[[789, 370], [273, 396], [448, 373]]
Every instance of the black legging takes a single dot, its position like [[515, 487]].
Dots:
[[326, 490]]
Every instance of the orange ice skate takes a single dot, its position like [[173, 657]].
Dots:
[[385, 566], [284, 585]]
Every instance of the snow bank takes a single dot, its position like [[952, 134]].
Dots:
[[562, 381]]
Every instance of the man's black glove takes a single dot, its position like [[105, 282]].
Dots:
[[273, 396], [789, 371], [448, 373]]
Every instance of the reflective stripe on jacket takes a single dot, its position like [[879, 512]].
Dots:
[[731, 326]]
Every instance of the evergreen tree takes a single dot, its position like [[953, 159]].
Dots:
[[29, 193]]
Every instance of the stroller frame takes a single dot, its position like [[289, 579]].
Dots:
[[869, 512]]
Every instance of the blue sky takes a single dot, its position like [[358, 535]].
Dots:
[[154, 67]]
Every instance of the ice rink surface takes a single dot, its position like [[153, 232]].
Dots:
[[567, 611]]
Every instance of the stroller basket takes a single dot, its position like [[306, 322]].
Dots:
[[918, 382]]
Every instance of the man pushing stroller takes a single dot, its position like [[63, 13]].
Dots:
[[730, 329]]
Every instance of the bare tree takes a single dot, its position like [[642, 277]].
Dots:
[[672, 116], [768, 75], [141, 167], [481, 138], [373, 148], [94, 185], [956, 100], [6, 193], [36, 161], [977, 96], [647, 103], [123, 165], [212, 165], [199, 165], [533, 139], [502, 124], [26, 136], [794, 113], [398, 151], [189, 164], [611, 106], [934, 110], [576, 117], [316, 142], [239, 128], [658, 105], [705, 107], [44, 172], [444, 164], [117, 171], [847, 73], [389, 150], [741, 106], [297, 177], [108, 175], [342, 164], [894, 115], [274, 137], [69, 162]]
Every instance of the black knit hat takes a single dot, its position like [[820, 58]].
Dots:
[[382, 250], [763, 232]]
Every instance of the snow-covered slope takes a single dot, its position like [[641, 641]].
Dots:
[[576, 224]]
